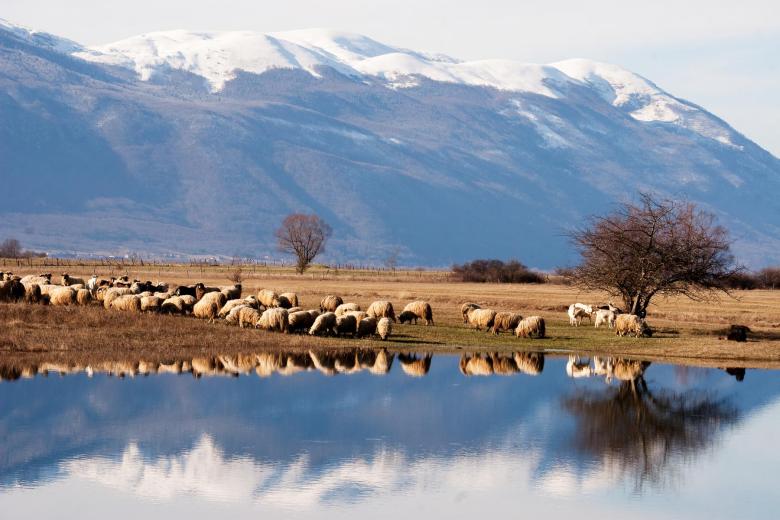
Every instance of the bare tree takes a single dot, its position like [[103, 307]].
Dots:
[[10, 248], [391, 261], [654, 247], [303, 236]]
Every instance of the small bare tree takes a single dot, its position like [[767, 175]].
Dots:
[[303, 236], [654, 247], [10, 248]]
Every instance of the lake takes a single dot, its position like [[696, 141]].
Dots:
[[383, 435]]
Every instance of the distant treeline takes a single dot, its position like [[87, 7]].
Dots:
[[767, 278], [12, 248], [496, 271]]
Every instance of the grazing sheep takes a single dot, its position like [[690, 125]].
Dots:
[[530, 363], [40, 279], [475, 365], [578, 311], [325, 323], [632, 325], [5, 276], [359, 315], [295, 309], [32, 293], [173, 305], [407, 316], [345, 308], [366, 327], [189, 302], [465, 308], [291, 297], [346, 324], [62, 296], [275, 319], [127, 302], [300, 321], [184, 290], [605, 316], [83, 296], [381, 309], [248, 316], [71, 280], [422, 310], [12, 290], [506, 321], [92, 284], [384, 327], [330, 303], [207, 308], [231, 318], [151, 303], [201, 290], [282, 301], [229, 306], [267, 297], [113, 293], [481, 318], [414, 366], [530, 327], [231, 292]]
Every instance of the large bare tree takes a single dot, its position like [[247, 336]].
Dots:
[[303, 236], [654, 247]]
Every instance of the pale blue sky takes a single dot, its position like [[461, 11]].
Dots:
[[724, 56]]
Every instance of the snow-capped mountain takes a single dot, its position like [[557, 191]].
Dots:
[[200, 142]]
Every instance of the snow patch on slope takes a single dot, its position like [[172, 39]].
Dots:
[[42, 39]]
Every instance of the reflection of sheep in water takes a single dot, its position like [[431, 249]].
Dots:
[[415, 366], [378, 362], [530, 327], [530, 363], [475, 365], [465, 308], [330, 363], [238, 364], [503, 365]]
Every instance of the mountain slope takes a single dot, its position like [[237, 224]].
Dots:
[[188, 143]]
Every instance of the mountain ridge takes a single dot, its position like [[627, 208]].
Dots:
[[393, 158]]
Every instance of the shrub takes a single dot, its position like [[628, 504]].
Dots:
[[496, 271]]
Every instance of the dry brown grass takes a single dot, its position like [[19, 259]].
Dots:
[[687, 332]]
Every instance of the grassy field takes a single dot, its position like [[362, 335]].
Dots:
[[686, 332]]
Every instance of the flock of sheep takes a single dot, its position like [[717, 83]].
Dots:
[[269, 310]]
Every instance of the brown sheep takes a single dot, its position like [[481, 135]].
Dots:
[[127, 302], [201, 290], [267, 297], [83, 296], [330, 303], [207, 308], [465, 308], [481, 318], [422, 310], [344, 308], [12, 290], [72, 280], [231, 292], [384, 327], [325, 323], [282, 302], [381, 309], [506, 321], [275, 319], [531, 327], [346, 324]]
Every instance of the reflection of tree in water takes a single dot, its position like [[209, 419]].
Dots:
[[645, 435]]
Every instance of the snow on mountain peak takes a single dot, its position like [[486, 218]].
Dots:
[[43, 39]]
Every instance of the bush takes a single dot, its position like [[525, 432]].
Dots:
[[496, 271]]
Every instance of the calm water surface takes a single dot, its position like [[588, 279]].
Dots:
[[676, 443]]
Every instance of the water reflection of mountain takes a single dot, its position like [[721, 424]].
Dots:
[[276, 422]]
